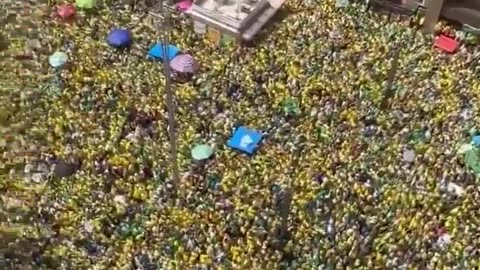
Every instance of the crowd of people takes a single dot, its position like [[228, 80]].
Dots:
[[347, 176]]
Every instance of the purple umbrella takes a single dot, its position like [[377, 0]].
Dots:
[[184, 63]]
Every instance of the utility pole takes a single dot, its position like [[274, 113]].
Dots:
[[163, 26]]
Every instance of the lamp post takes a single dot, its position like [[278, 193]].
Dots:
[[163, 25], [389, 90]]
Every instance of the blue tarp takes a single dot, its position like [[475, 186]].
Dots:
[[245, 139], [157, 51]]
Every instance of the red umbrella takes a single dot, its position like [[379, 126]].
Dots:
[[66, 11]]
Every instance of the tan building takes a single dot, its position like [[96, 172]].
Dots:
[[232, 20]]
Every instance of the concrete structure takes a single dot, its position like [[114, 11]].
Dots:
[[232, 20], [463, 11], [432, 15]]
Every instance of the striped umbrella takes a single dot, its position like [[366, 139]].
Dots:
[[184, 63]]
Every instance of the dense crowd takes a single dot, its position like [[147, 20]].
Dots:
[[376, 181]]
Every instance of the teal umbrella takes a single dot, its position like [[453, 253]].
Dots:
[[58, 59], [201, 152], [473, 160], [86, 3]]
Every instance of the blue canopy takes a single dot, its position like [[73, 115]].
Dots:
[[157, 51]]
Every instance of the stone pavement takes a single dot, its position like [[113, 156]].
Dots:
[[21, 19], [20, 22]]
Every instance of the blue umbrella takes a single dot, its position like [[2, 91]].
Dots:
[[157, 51], [476, 140], [119, 38]]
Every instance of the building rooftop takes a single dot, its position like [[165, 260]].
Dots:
[[242, 17], [237, 10]]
